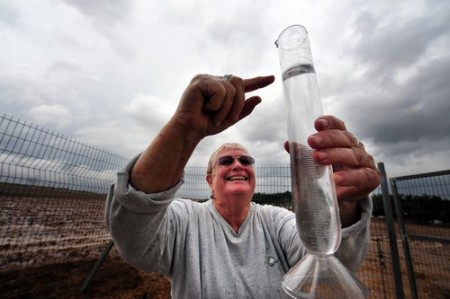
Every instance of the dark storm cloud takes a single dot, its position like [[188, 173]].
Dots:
[[386, 46], [420, 109], [385, 108], [383, 67]]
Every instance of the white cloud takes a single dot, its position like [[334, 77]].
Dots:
[[112, 73], [51, 115], [150, 112]]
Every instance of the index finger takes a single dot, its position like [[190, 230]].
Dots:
[[257, 82], [329, 122]]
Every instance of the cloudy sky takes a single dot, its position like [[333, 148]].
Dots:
[[110, 73]]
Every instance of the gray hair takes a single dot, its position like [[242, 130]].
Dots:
[[225, 146]]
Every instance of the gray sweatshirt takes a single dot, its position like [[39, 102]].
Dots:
[[198, 251]]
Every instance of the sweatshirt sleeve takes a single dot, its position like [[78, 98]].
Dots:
[[139, 224], [355, 239]]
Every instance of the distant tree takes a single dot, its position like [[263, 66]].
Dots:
[[378, 207], [421, 209], [277, 199], [425, 208]]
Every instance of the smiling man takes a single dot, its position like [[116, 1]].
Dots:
[[227, 247], [231, 177]]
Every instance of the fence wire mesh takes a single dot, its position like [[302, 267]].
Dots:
[[52, 194], [422, 204]]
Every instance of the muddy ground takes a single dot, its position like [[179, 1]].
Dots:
[[114, 279], [42, 240]]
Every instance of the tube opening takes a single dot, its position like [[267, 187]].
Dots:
[[292, 37]]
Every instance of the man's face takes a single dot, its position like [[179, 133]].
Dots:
[[236, 179]]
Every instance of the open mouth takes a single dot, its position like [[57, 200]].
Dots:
[[237, 178]]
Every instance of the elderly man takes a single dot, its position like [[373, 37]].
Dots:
[[227, 247]]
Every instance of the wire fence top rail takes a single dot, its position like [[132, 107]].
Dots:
[[31, 155]]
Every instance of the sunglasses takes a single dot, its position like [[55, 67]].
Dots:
[[229, 160]]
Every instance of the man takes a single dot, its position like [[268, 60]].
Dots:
[[227, 247]]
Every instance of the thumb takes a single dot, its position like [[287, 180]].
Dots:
[[249, 106]]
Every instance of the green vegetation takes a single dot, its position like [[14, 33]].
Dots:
[[421, 209], [276, 199]]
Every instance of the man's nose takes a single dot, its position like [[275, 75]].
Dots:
[[236, 163]]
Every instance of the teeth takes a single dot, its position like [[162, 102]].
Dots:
[[237, 178]]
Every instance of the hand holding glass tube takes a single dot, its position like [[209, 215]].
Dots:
[[319, 274]]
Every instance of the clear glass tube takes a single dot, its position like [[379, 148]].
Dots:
[[319, 274], [312, 185]]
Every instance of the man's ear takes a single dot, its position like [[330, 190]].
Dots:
[[209, 179]]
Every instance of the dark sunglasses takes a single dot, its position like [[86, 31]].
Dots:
[[229, 160]]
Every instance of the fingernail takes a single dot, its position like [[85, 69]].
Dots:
[[323, 122], [338, 178], [321, 155], [316, 139]]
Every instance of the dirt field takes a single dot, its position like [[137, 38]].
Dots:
[[114, 279], [41, 241]]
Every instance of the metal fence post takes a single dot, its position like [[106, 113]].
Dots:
[[88, 281], [405, 241], [391, 233]]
